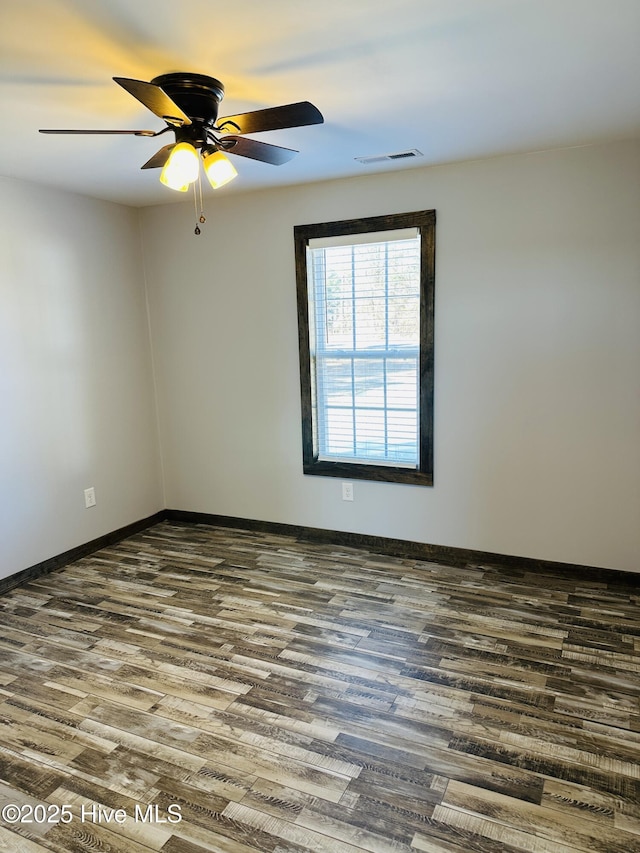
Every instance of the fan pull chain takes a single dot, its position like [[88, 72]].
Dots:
[[196, 231], [202, 218]]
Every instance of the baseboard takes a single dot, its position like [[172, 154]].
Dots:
[[445, 554], [61, 560]]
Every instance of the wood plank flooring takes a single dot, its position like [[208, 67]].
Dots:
[[201, 689]]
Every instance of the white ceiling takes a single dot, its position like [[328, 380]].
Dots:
[[456, 79]]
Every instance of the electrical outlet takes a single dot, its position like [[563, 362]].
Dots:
[[347, 491], [89, 497]]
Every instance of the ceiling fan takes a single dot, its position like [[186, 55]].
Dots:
[[188, 104]]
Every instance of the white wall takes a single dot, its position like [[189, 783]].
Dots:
[[537, 387], [76, 387]]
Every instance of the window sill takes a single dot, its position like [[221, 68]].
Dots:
[[377, 473]]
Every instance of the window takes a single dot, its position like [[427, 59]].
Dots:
[[365, 321]]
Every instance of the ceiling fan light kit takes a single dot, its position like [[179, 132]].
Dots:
[[182, 168], [188, 104]]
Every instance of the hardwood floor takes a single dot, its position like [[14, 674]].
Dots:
[[200, 689]]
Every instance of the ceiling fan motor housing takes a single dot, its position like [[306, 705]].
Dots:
[[197, 95]]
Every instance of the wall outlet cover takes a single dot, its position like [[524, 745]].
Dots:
[[347, 491]]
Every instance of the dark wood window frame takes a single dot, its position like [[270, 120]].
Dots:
[[425, 222]]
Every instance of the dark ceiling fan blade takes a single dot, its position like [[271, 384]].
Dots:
[[274, 154], [274, 118], [155, 99], [122, 132], [159, 158]]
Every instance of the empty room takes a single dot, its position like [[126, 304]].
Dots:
[[320, 426]]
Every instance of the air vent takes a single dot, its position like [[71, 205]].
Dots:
[[382, 158]]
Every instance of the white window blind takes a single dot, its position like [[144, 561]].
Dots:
[[364, 318]]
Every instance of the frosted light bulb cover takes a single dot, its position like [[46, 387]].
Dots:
[[218, 169], [181, 169]]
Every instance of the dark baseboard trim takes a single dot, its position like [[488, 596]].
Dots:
[[444, 554], [61, 560]]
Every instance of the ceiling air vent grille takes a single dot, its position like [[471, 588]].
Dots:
[[384, 158]]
